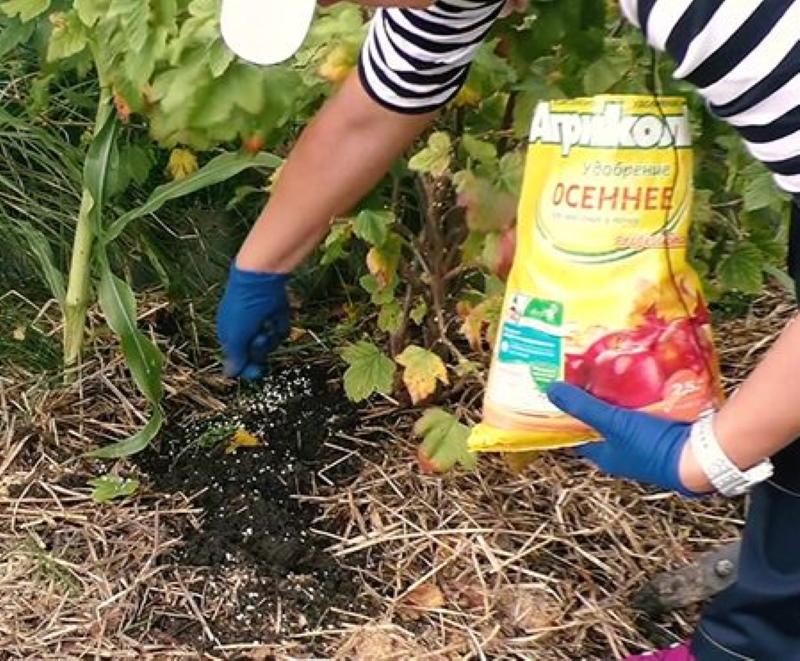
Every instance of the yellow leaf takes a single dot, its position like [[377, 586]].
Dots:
[[423, 369], [435, 158], [337, 65], [382, 263], [468, 96], [472, 329], [377, 266], [182, 163], [486, 316], [19, 333], [241, 439]]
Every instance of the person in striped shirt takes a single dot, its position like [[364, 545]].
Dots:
[[744, 58]]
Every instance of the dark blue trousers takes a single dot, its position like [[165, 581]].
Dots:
[[759, 616]]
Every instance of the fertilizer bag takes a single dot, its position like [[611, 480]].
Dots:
[[601, 294]]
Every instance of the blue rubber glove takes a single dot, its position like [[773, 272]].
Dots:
[[637, 446], [252, 320]]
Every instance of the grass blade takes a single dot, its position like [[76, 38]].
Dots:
[[43, 254]]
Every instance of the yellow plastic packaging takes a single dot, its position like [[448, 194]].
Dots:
[[600, 293]]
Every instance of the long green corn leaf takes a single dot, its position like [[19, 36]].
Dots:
[[136, 443], [103, 155], [217, 170], [143, 357]]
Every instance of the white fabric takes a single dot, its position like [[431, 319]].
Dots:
[[266, 31]]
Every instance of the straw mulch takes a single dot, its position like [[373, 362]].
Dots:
[[539, 564]]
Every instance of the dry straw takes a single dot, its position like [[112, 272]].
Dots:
[[542, 564]]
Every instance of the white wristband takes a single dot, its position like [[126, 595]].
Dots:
[[726, 476]]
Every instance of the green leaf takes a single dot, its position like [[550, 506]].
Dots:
[[214, 436], [490, 73], [782, 278], [760, 189], [175, 88], [492, 249], [220, 57], [109, 487], [142, 356], [217, 170], [339, 22], [335, 246], [605, 72], [133, 165], [419, 311], [773, 249], [369, 371], [435, 158], [140, 64], [608, 69], [488, 208], [373, 226], [444, 442], [91, 11], [741, 270], [138, 161], [68, 37], [136, 443], [40, 249], [702, 212], [511, 170], [379, 294], [472, 248], [390, 317], [25, 9], [102, 157], [494, 287], [478, 150], [199, 30], [241, 86], [14, 33], [133, 16], [536, 87]]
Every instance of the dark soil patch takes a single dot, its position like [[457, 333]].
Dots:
[[269, 573]]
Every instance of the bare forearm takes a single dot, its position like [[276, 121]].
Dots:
[[342, 154], [764, 415]]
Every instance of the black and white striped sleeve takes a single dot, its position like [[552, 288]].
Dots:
[[416, 60], [744, 58]]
